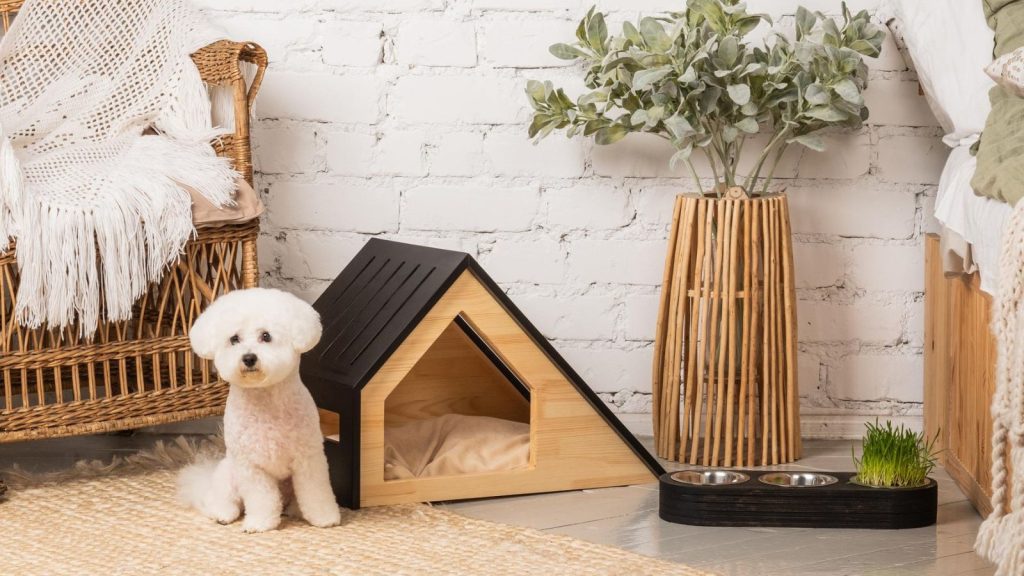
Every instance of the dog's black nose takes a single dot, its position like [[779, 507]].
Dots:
[[249, 360]]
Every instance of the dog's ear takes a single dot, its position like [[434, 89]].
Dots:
[[205, 334], [305, 325]]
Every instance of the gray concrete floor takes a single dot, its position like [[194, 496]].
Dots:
[[627, 518]]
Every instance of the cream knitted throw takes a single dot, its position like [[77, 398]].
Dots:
[[1001, 536], [92, 195]]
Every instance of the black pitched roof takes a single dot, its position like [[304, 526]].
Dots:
[[380, 297], [374, 304]]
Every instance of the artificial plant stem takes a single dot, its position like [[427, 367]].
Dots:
[[693, 174], [714, 165], [725, 165], [728, 170], [771, 171], [752, 177]]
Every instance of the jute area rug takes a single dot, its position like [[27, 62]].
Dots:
[[123, 518]]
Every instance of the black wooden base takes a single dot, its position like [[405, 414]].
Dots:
[[840, 505]]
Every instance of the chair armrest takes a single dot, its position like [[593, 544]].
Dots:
[[220, 64]]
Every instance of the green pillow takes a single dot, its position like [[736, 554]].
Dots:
[[1000, 173]]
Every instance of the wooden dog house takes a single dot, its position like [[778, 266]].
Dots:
[[412, 333]]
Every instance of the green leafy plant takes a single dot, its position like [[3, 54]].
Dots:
[[693, 79], [894, 457]]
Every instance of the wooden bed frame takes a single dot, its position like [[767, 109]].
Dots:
[[959, 375]]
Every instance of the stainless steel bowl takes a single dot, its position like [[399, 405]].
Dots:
[[798, 479], [709, 477]]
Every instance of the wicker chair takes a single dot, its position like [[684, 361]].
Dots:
[[142, 371]]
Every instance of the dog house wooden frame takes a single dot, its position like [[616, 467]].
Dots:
[[412, 332]]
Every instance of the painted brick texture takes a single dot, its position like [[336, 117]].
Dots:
[[406, 119]]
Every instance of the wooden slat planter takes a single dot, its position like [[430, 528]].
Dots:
[[725, 375]]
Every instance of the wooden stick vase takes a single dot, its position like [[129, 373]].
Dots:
[[725, 373]]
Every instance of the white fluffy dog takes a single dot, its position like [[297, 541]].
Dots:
[[271, 428]]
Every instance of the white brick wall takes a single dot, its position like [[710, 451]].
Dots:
[[406, 119]]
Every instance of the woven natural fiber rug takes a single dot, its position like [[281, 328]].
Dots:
[[123, 518]]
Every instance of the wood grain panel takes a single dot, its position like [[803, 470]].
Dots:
[[972, 376], [330, 423], [936, 345], [960, 375]]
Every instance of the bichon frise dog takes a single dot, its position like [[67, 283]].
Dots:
[[255, 338]]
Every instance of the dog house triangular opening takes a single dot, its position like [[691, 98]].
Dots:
[[460, 410], [458, 374]]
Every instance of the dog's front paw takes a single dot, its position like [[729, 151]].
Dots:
[[325, 517], [223, 512], [253, 524]]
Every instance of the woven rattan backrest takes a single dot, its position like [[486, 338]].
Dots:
[[8, 8]]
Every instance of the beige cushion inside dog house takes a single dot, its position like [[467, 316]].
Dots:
[[455, 444]]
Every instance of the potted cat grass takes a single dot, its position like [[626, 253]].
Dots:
[[890, 490], [894, 458]]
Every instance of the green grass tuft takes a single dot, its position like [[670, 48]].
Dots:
[[895, 457]]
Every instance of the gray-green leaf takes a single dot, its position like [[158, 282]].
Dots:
[[610, 135], [748, 125], [644, 79], [728, 50], [805, 20], [566, 52], [630, 32], [864, 47], [848, 91], [599, 95], [597, 32], [739, 93], [826, 114], [678, 126], [655, 115], [654, 35], [816, 95], [681, 155], [535, 90], [812, 141]]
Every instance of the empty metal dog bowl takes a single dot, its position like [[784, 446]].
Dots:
[[709, 477], [798, 479]]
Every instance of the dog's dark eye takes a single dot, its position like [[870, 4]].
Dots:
[[234, 340], [265, 337]]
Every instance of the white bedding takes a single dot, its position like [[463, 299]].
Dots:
[[977, 220]]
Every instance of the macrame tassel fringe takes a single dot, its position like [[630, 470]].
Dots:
[[1001, 535], [121, 244], [11, 185]]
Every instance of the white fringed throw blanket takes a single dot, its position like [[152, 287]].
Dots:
[[92, 195], [1001, 536]]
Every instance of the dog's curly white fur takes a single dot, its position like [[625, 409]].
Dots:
[[255, 338]]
